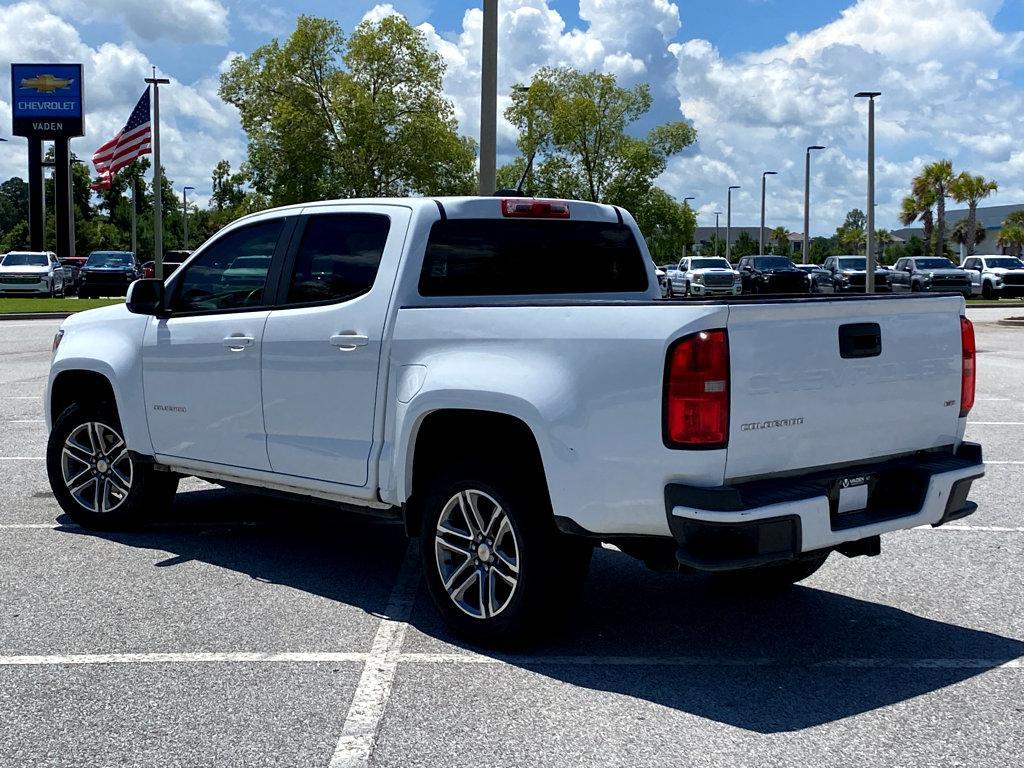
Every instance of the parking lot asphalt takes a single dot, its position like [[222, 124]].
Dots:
[[244, 630]]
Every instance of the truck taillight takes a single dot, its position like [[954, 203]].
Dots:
[[535, 208], [696, 407], [967, 371]]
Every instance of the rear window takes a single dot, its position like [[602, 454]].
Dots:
[[502, 257]]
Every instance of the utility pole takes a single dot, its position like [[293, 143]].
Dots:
[[807, 202], [689, 197], [184, 212], [728, 222], [717, 238], [760, 239], [869, 278], [158, 214], [489, 99]]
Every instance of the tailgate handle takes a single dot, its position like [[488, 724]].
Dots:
[[860, 340]]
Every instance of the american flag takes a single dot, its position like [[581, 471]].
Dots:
[[131, 142]]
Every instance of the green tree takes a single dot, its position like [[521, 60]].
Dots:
[[333, 116], [934, 181], [780, 241], [228, 192], [971, 189], [665, 224], [1011, 237], [13, 204], [820, 249], [917, 206], [855, 219], [962, 235], [578, 125], [915, 246], [850, 236], [745, 245]]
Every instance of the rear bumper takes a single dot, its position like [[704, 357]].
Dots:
[[751, 524]]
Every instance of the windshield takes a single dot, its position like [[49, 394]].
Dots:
[[703, 264], [1009, 262], [933, 264], [854, 263], [25, 260], [773, 263], [109, 259]]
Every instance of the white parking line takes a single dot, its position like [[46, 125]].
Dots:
[[188, 657], [1017, 424], [993, 399], [21, 459], [1003, 462], [953, 527], [374, 689], [22, 397]]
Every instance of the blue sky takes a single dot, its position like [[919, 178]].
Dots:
[[759, 79]]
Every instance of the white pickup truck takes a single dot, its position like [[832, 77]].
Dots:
[[438, 361]]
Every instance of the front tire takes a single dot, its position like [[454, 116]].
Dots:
[[94, 478], [497, 569]]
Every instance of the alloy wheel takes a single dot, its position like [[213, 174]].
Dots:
[[477, 554], [96, 467]]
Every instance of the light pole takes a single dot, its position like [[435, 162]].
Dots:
[[184, 211], [807, 202], [728, 222], [869, 278], [489, 98], [760, 239], [689, 197], [717, 214]]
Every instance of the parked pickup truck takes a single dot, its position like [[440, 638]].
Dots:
[[438, 362]]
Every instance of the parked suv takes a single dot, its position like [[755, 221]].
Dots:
[[108, 273], [849, 274], [995, 276], [705, 276], [438, 362], [771, 275], [36, 273], [929, 273]]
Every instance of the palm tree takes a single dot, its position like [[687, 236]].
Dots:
[[938, 177], [969, 189], [1012, 237], [780, 238], [918, 207], [961, 234]]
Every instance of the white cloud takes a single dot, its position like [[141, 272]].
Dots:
[[198, 129], [759, 111], [186, 21]]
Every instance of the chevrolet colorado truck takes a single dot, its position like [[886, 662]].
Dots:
[[437, 361]]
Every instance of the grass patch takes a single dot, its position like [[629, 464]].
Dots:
[[71, 304]]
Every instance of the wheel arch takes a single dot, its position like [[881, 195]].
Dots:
[[69, 384], [439, 435]]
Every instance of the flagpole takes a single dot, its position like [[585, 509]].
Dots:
[[158, 216], [135, 249]]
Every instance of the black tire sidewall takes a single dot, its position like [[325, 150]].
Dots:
[[535, 603], [131, 512]]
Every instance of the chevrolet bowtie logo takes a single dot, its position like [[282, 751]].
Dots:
[[45, 83]]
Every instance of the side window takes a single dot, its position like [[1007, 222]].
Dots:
[[230, 273], [338, 257]]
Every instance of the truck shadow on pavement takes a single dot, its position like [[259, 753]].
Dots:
[[770, 663]]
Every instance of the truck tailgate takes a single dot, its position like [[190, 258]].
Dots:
[[800, 402]]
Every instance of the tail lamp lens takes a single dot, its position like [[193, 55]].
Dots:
[[968, 369], [696, 408], [535, 208]]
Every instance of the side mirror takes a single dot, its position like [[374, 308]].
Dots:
[[146, 297]]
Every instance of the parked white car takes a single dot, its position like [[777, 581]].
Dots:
[[705, 276], [995, 276], [438, 362], [33, 273]]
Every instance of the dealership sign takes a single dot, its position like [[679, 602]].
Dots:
[[46, 100]]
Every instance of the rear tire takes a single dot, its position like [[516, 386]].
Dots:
[[496, 567], [774, 576], [987, 292], [92, 475]]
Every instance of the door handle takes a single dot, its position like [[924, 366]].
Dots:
[[349, 341], [238, 342]]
